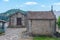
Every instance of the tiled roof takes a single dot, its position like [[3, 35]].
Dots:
[[41, 15]]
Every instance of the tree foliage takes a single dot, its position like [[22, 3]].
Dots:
[[58, 22]]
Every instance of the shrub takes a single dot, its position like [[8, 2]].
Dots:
[[2, 31]]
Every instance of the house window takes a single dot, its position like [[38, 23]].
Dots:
[[19, 21]]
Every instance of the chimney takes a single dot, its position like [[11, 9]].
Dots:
[[52, 8]]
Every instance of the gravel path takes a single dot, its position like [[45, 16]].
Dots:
[[13, 34]]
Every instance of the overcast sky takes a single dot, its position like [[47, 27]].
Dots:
[[32, 5]]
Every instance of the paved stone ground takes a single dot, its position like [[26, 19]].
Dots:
[[13, 34]]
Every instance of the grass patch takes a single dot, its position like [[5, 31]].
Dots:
[[45, 38]]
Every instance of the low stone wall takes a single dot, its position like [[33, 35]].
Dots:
[[16, 26]]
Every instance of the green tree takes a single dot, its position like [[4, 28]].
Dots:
[[58, 22]]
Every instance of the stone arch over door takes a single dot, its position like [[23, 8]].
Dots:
[[17, 20]]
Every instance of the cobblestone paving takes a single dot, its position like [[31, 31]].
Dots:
[[13, 34]]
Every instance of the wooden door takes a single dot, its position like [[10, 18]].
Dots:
[[19, 21]]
